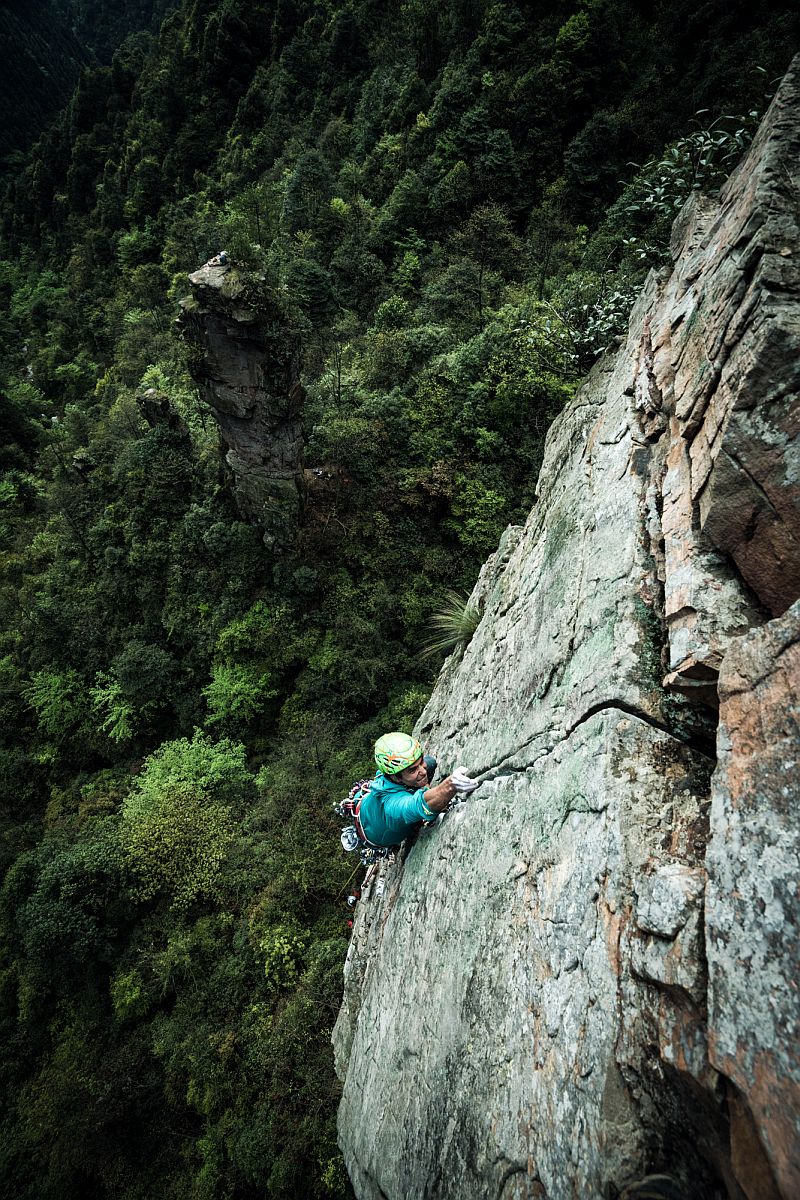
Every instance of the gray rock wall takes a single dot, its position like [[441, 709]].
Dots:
[[246, 362], [587, 972]]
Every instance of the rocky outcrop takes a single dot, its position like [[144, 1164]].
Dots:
[[158, 410], [587, 972], [246, 362]]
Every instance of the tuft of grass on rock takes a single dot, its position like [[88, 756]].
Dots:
[[452, 626]]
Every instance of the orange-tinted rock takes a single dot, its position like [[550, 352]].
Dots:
[[752, 905], [726, 354]]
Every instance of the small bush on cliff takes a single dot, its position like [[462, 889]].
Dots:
[[590, 307], [698, 162]]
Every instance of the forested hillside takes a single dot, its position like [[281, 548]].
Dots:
[[43, 48], [451, 207]]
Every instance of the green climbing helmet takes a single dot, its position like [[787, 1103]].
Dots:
[[396, 751]]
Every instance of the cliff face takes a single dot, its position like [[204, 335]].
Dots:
[[247, 368], [588, 971]]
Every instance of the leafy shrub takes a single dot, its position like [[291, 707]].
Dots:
[[587, 317], [482, 513], [178, 847], [145, 673], [700, 161], [178, 823], [213, 769], [59, 700], [591, 308], [109, 702], [282, 950], [264, 630], [128, 994], [76, 901], [237, 694]]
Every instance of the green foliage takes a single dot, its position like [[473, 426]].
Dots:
[[116, 714], [60, 701], [177, 848], [211, 769], [128, 995], [586, 317], [451, 626], [69, 904], [237, 694], [482, 512], [282, 951], [308, 192], [253, 652], [178, 822], [700, 161]]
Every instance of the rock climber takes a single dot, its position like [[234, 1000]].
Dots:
[[400, 795]]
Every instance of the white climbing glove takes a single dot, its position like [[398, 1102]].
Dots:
[[462, 782]]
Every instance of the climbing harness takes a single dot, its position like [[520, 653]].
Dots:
[[353, 836]]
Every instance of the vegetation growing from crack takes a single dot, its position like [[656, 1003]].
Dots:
[[452, 626]]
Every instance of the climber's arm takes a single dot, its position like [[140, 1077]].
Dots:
[[437, 798], [422, 805]]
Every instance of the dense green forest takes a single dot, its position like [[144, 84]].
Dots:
[[453, 205], [44, 45]]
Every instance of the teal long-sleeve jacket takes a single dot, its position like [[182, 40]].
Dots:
[[389, 812]]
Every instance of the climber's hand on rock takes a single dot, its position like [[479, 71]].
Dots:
[[459, 784], [462, 783]]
